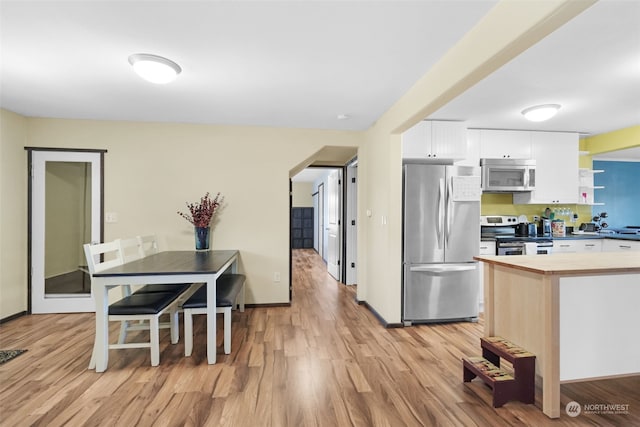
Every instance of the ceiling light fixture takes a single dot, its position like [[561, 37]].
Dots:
[[540, 113], [154, 68]]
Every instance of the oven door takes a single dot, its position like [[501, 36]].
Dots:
[[544, 250], [515, 248]]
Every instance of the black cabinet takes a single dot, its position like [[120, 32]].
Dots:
[[301, 228]]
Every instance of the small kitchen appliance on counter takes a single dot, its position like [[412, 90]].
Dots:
[[502, 229], [544, 227]]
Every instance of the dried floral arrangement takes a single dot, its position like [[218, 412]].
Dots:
[[200, 214]]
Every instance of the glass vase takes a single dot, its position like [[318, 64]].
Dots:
[[203, 237]]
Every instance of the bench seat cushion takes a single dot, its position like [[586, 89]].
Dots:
[[151, 303], [227, 288]]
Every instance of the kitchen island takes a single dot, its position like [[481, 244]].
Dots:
[[576, 312]]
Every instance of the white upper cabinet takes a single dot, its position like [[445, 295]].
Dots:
[[435, 140], [556, 156], [505, 144], [473, 149]]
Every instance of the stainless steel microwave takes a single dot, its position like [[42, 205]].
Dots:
[[508, 175]]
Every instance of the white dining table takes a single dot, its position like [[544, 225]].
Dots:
[[161, 268]]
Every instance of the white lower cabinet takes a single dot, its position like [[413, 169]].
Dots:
[[577, 246], [486, 248], [617, 245]]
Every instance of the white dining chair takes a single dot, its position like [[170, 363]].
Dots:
[[229, 291], [147, 307], [133, 249], [147, 244]]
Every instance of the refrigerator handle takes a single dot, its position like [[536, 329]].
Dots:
[[449, 196], [443, 268], [440, 212]]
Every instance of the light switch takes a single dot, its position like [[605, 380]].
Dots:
[[110, 217]]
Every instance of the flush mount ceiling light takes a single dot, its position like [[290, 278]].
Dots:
[[540, 113], [154, 68]]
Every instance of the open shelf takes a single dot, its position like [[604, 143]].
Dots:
[[586, 187]]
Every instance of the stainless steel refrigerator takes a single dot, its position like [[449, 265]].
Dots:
[[441, 237]]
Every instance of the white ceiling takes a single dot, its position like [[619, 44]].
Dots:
[[311, 174], [626, 155], [301, 64], [590, 66]]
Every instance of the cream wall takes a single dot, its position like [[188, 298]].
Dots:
[[153, 169], [13, 214], [302, 194]]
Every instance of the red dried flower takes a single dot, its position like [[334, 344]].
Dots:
[[202, 212]]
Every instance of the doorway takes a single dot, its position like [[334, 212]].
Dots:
[[333, 193], [65, 212]]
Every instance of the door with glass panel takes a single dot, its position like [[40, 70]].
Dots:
[[66, 213]]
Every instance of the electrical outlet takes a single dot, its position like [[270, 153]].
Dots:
[[110, 217], [276, 276]]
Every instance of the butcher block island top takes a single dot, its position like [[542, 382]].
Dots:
[[569, 263]]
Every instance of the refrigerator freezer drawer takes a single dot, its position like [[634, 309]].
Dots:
[[439, 292]]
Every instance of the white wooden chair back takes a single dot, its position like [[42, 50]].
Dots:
[[107, 255], [130, 249], [148, 244], [102, 256]]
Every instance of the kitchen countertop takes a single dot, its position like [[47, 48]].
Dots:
[[570, 263], [633, 237]]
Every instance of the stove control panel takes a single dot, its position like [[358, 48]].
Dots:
[[498, 220]]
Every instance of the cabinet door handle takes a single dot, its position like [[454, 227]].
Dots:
[[625, 247], [565, 246]]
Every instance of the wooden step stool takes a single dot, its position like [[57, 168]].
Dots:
[[519, 386]]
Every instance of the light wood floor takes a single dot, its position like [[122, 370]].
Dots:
[[324, 361]]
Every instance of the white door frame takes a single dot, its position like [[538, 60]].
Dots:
[[320, 224], [351, 234], [334, 224], [58, 303]]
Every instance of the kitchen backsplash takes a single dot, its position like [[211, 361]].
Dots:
[[502, 204]]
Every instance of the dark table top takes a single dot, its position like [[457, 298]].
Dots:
[[173, 262]]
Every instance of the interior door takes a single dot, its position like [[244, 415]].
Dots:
[[351, 244], [333, 223], [66, 212]]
